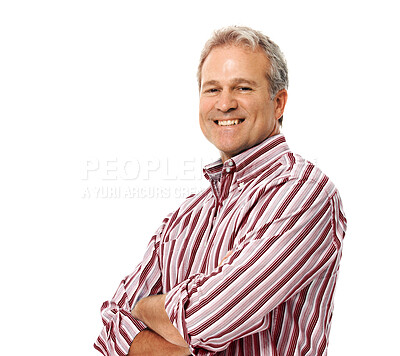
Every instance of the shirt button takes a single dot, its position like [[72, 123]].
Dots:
[[230, 163], [227, 170]]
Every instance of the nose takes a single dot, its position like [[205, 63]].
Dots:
[[226, 102]]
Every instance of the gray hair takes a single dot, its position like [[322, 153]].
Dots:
[[277, 75]]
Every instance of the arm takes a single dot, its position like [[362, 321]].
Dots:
[[120, 327], [147, 342], [292, 246], [151, 311]]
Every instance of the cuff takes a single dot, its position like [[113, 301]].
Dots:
[[176, 303], [116, 337]]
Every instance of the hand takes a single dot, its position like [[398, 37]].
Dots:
[[226, 256]]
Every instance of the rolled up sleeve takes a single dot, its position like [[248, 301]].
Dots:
[[120, 328]]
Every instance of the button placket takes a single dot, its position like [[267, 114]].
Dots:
[[230, 166]]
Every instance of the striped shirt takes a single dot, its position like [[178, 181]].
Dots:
[[282, 219]]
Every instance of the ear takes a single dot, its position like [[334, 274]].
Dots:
[[280, 103]]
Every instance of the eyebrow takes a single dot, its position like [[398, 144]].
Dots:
[[234, 81]]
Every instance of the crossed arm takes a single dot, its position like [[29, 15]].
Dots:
[[162, 337], [283, 263]]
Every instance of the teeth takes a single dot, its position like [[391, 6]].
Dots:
[[228, 122]]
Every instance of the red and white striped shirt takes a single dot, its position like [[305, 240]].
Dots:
[[282, 219]]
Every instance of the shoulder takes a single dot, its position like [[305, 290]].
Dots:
[[312, 187], [294, 169], [185, 213], [194, 200]]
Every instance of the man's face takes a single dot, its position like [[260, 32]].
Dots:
[[236, 111]]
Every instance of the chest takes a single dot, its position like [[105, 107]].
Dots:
[[201, 236]]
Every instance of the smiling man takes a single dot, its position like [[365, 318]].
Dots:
[[236, 108], [249, 265]]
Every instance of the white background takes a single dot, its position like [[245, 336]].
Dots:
[[92, 89]]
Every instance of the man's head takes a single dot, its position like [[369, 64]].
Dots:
[[242, 81]]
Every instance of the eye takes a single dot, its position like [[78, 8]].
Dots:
[[211, 91], [245, 89]]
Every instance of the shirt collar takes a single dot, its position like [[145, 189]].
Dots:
[[248, 164]]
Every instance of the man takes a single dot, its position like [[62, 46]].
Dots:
[[248, 266]]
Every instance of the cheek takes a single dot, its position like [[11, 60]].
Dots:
[[252, 105], [205, 106], [265, 113]]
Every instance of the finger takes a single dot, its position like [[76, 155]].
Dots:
[[226, 256]]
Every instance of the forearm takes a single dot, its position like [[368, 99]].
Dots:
[[150, 343], [151, 311]]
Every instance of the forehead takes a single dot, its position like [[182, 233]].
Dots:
[[225, 62]]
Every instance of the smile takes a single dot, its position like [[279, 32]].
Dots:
[[228, 122]]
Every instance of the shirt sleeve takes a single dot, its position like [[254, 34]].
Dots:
[[291, 244], [120, 328]]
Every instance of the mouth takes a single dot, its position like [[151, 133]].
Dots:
[[228, 122]]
